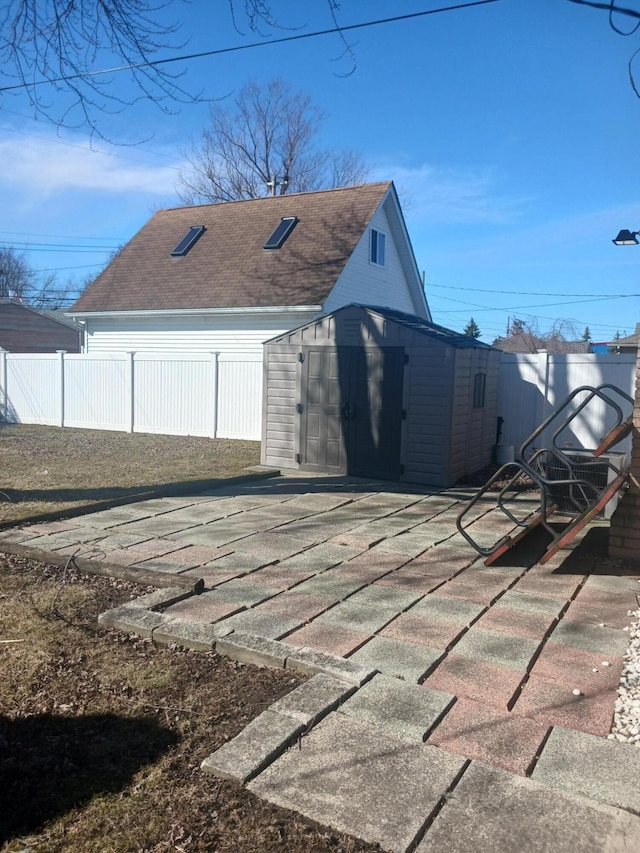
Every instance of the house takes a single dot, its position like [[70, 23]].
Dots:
[[226, 277], [26, 329], [628, 344]]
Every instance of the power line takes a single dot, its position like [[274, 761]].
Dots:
[[524, 292], [62, 236], [220, 51]]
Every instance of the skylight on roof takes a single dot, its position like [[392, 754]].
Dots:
[[286, 226], [188, 240]]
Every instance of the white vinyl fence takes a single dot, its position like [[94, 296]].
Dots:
[[220, 394], [531, 386], [208, 394]]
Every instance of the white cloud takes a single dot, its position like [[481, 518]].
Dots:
[[448, 196], [40, 166]]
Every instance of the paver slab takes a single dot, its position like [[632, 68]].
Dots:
[[399, 659], [537, 626], [310, 661], [270, 625], [296, 605], [424, 630], [193, 635], [279, 545], [411, 580], [340, 777], [476, 679], [330, 584], [538, 581], [257, 745], [454, 609], [401, 709], [528, 602], [578, 668], [556, 704], [487, 734], [328, 638], [491, 811], [357, 617], [249, 648], [207, 607], [129, 619], [320, 557], [592, 766], [312, 700], [497, 647], [376, 595], [245, 591], [591, 638]]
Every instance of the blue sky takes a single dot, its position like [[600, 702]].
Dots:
[[509, 129]]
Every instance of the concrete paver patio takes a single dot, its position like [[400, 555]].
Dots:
[[464, 675]]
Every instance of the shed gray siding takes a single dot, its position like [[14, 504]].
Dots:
[[279, 420], [429, 377], [443, 437], [473, 429]]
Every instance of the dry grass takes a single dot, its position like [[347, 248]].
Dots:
[[102, 734], [43, 469]]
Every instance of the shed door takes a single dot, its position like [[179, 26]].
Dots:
[[352, 410]]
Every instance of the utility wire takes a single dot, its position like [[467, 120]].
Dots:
[[283, 40], [525, 293]]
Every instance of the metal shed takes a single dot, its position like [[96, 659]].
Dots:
[[377, 393]]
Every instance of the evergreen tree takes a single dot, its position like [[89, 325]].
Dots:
[[472, 330]]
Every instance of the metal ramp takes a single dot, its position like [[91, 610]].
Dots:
[[579, 483]]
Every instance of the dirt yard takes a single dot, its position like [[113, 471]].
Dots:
[[43, 469], [102, 734]]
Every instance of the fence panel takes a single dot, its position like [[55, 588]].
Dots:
[[531, 386], [32, 394], [221, 394], [174, 394], [240, 396], [95, 391]]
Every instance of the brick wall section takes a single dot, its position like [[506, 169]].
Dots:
[[624, 534]]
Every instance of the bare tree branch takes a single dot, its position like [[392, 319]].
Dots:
[[62, 41], [267, 133]]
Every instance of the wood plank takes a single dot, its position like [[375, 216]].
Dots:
[[576, 526], [510, 541], [614, 436]]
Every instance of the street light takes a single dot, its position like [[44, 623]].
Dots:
[[626, 238]]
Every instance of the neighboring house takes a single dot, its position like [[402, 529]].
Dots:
[[25, 329], [226, 277], [628, 344]]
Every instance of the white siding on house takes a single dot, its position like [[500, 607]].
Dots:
[[369, 284], [225, 333]]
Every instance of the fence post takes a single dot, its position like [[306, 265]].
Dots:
[[542, 408], [215, 364], [61, 355], [4, 374], [131, 403]]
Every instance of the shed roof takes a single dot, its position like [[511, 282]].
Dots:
[[431, 330], [409, 321], [228, 266]]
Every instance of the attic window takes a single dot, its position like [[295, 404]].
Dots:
[[376, 246], [286, 226], [188, 240]]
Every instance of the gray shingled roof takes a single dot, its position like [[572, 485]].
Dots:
[[228, 266]]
